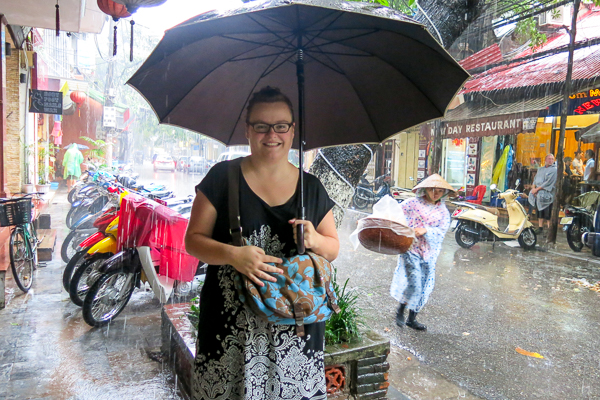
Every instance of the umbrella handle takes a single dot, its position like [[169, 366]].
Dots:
[[300, 238]]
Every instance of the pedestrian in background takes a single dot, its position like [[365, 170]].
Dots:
[[577, 163], [414, 277], [568, 184], [543, 191], [590, 163], [72, 165]]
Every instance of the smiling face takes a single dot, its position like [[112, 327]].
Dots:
[[434, 194], [270, 144]]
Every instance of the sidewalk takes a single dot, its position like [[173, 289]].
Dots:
[[48, 351]]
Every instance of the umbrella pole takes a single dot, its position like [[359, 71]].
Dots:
[[300, 124]]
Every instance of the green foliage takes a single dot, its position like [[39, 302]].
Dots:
[[344, 327], [99, 148], [195, 306], [528, 30], [45, 171]]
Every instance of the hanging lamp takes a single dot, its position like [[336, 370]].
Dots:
[[116, 11], [78, 98]]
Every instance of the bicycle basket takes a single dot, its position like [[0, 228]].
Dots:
[[15, 212]]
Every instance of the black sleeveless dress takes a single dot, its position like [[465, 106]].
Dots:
[[238, 355]]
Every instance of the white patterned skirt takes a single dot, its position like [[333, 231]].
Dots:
[[240, 356]]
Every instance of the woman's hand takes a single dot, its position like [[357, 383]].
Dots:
[[252, 262], [311, 236], [420, 231]]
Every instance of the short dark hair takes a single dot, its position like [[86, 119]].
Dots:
[[589, 153], [578, 152], [268, 94], [568, 159]]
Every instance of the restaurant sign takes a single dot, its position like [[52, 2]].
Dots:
[[509, 124]]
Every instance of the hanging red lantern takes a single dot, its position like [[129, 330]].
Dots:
[[116, 11], [78, 98], [133, 5]]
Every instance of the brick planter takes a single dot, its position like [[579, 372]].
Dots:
[[353, 370]]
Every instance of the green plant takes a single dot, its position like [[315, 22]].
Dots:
[[45, 171], [99, 148], [344, 327], [195, 306]]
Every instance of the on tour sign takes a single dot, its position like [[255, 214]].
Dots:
[[109, 119]]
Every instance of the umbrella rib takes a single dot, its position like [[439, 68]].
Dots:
[[369, 54], [257, 43], [326, 28], [269, 70], [263, 56], [344, 39], [248, 98], [353, 87], [273, 32]]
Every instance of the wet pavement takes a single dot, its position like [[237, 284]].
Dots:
[[488, 301], [47, 350]]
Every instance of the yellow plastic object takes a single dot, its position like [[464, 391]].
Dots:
[[113, 227], [106, 245]]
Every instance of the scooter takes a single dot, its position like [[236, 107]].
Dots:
[[576, 222], [364, 194], [139, 260], [473, 223]]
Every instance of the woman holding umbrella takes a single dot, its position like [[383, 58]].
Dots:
[[239, 355], [414, 277]]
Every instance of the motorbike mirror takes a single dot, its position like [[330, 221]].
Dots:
[[517, 183], [493, 186]]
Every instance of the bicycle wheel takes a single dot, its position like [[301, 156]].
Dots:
[[85, 276], [108, 297], [21, 260]]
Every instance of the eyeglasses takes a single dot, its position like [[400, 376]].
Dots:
[[261, 127]]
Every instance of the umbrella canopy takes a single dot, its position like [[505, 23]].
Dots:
[[79, 146], [591, 134], [367, 71]]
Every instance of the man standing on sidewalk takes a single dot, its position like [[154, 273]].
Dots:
[[543, 191]]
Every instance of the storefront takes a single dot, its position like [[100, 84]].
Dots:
[[471, 147]]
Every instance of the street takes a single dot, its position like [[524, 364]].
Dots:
[[488, 301]]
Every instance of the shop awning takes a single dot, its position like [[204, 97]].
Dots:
[[591, 134], [504, 124]]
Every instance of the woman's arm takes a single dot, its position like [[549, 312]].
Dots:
[[249, 260], [323, 240]]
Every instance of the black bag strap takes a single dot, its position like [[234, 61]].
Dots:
[[235, 226]]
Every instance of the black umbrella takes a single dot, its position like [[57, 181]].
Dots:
[[356, 72]]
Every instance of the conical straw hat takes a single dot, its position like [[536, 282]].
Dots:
[[434, 181]]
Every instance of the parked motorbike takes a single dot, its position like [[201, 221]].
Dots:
[[367, 193], [473, 223], [144, 248], [86, 273], [576, 222]]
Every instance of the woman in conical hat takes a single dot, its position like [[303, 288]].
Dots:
[[414, 277]]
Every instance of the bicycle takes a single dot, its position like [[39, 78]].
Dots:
[[17, 212]]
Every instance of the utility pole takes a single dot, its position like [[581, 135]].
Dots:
[[563, 124], [108, 97]]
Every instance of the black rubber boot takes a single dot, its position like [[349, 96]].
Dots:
[[412, 321], [400, 315]]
